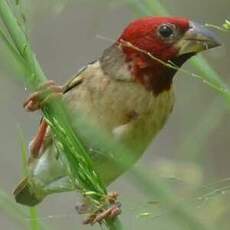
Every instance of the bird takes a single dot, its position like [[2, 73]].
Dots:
[[127, 94]]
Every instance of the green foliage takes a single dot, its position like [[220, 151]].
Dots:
[[226, 25], [224, 28], [9, 207], [28, 218], [33, 212], [77, 160]]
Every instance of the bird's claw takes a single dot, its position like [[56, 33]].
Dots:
[[36, 100]]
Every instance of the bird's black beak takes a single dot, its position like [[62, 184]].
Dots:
[[198, 38]]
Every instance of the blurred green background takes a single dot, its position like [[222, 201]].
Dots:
[[192, 151]]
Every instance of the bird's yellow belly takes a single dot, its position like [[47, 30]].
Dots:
[[121, 116]]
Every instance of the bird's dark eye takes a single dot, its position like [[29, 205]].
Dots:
[[166, 31]]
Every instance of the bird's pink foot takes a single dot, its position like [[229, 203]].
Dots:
[[45, 93], [107, 213]]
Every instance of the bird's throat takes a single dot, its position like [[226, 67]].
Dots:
[[139, 67], [154, 77]]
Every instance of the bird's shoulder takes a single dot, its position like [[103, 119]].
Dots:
[[80, 76]]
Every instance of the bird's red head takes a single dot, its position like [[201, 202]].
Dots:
[[173, 39], [156, 35]]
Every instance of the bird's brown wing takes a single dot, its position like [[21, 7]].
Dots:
[[76, 79]]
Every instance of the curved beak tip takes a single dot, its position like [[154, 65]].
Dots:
[[202, 33], [196, 39]]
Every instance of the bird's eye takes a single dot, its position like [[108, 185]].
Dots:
[[166, 31]]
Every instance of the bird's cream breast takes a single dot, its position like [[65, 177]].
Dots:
[[125, 110]]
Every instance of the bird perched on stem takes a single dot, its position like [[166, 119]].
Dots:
[[127, 94]]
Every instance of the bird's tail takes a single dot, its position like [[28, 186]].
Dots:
[[24, 194]]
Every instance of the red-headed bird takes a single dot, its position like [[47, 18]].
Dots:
[[127, 94]]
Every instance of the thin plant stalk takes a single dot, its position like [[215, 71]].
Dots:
[[33, 212], [77, 159]]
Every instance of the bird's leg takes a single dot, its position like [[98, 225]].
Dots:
[[108, 213], [36, 100], [38, 140]]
